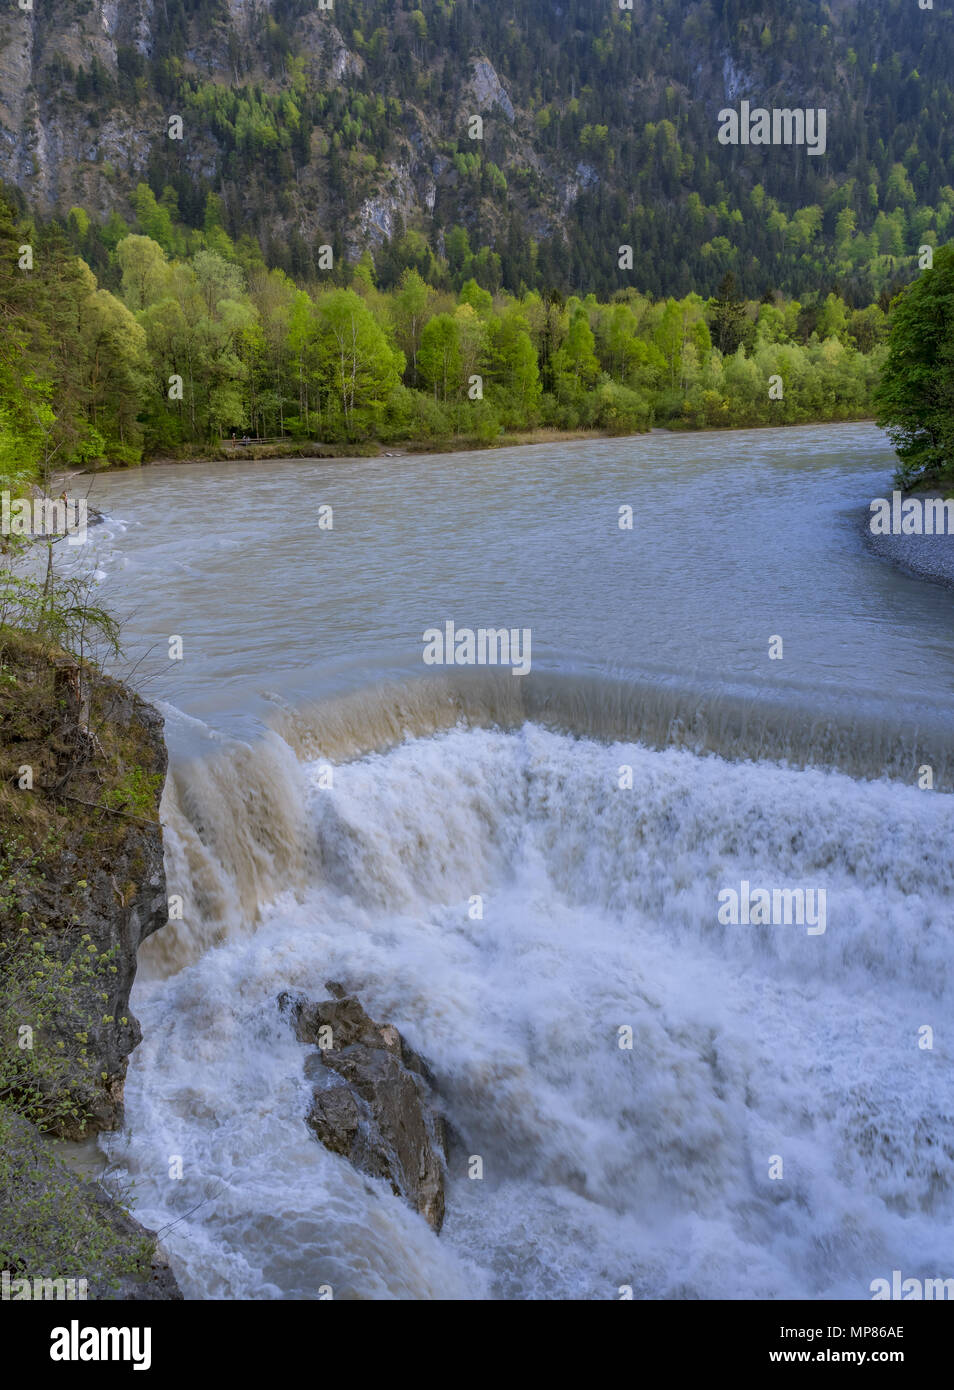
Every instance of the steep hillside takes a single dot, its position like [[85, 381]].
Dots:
[[82, 884], [351, 126]]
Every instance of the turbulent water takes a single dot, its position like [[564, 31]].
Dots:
[[523, 874]]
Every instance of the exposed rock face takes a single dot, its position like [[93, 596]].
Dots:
[[98, 762], [373, 1098], [82, 879], [62, 149], [488, 89], [55, 1226]]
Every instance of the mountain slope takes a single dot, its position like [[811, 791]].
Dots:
[[352, 126]]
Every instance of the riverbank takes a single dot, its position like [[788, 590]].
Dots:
[[925, 557], [82, 884], [288, 449]]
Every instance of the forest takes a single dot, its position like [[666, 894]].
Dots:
[[602, 132], [606, 134], [186, 337]]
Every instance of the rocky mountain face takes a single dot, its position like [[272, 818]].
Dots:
[[349, 122], [61, 148]]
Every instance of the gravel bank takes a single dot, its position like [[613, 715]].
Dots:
[[928, 557]]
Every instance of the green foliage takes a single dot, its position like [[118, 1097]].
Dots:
[[71, 359], [59, 610], [48, 998], [136, 793], [204, 344], [50, 1228], [439, 360], [357, 365], [915, 397]]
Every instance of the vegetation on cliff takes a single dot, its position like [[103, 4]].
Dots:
[[54, 1226], [82, 764], [81, 771]]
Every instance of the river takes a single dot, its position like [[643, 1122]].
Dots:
[[782, 1125]]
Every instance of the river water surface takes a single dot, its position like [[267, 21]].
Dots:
[[654, 756]]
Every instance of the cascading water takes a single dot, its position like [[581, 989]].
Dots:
[[523, 875], [603, 1166]]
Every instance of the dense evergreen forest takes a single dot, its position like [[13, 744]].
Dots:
[[349, 126]]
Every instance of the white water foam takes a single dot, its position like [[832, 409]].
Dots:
[[602, 1167]]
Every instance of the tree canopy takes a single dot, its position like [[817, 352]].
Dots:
[[915, 397]]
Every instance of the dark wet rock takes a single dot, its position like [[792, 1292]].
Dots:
[[373, 1099]]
